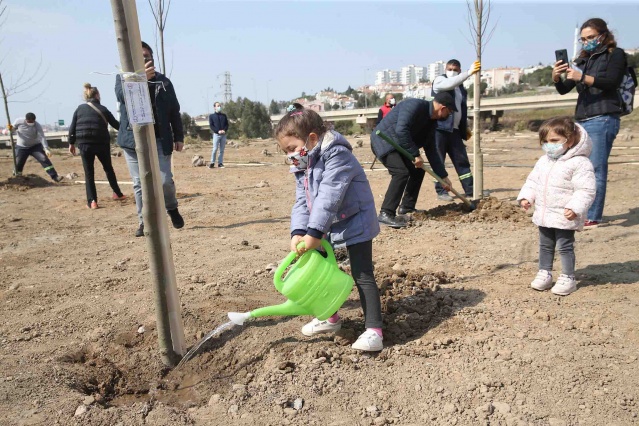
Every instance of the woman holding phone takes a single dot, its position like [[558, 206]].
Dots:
[[597, 74]]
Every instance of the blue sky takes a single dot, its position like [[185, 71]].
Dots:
[[281, 47]]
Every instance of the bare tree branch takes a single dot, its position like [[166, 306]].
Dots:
[[160, 14]]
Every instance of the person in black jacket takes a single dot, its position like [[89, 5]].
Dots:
[[411, 124], [90, 130], [597, 75], [169, 136], [219, 124]]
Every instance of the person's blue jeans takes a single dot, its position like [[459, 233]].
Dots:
[[219, 142], [603, 131], [451, 143], [168, 186]]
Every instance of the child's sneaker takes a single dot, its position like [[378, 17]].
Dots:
[[543, 280], [565, 285], [369, 341], [317, 327]]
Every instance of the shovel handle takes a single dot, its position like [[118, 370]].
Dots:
[[427, 169]]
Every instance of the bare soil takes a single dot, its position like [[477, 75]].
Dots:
[[467, 341]]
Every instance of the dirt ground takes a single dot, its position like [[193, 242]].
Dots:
[[467, 340]]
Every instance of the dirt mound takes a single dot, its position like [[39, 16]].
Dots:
[[489, 210], [24, 183]]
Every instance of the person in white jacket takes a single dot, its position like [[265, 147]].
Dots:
[[562, 188]]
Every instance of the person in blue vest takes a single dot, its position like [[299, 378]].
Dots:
[[219, 124], [451, 133]]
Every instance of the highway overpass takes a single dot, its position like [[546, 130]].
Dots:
[[490, 108]]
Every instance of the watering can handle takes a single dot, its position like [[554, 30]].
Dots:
[[291, 257]]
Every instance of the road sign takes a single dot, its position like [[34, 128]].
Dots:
[[60, 122]]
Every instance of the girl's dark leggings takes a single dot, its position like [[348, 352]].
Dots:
[[361, 257]]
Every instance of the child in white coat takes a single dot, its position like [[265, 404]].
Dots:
[[562, 188]]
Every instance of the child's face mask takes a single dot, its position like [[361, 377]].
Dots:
[[300, 158], [555, 149]]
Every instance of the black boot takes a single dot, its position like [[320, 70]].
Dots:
[[392, 221], [140, 231], [176, 218]]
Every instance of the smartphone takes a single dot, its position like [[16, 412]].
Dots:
[[148, 60], [562, 55]]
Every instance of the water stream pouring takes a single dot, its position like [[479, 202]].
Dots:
[[313, 286]]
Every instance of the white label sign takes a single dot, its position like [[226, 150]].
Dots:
[[138, 102]]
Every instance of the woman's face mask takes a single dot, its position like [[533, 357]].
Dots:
[[591, 45], [555, 149], [392, 101]]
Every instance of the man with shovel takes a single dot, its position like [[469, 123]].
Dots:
[[412, 125]]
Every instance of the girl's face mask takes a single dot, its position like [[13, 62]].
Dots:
[[300, 158], [555, 149]]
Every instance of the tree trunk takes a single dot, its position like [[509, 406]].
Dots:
[[478, 156], [6, 110], [162, 51], [168, 309]]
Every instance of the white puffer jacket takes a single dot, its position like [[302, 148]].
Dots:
[[565, 183]]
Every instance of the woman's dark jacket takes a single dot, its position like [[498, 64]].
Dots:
[[89, 128], [608, 68]]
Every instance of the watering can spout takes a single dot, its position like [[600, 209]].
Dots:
[[288, 308]]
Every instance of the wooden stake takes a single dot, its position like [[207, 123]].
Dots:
[[167, 304], [478, 156]]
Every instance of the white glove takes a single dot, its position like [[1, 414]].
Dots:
[[48, 152]]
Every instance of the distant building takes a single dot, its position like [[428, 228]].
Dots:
[[386, 76], [419, 91], [530, 70], [435, 69], [383, 89], [631, 51], [498, 78], [315, 106], [411, 74]]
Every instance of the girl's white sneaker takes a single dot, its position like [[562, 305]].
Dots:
[[369, 341], [565, 285], [316, 327], [543, 280]]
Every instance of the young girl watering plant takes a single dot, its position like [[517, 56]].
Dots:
[[333, 199], [562, 187]]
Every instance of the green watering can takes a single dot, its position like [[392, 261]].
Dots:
[[313, 286]]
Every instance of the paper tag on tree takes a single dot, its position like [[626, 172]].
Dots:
[[137, 100]]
